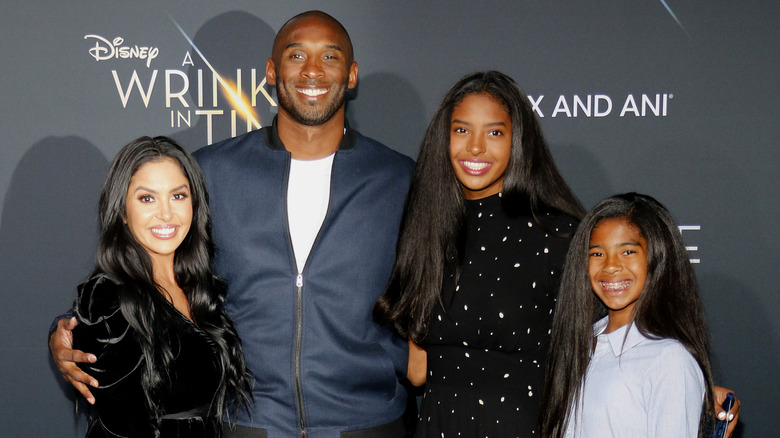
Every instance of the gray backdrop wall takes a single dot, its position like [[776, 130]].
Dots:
[[672, 98]]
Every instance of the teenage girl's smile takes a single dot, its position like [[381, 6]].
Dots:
[[475, 167]]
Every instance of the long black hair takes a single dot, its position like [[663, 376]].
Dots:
[[122, 258], [431, 228], [668, 306]]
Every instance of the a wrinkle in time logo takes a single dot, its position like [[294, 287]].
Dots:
[[243, 93]]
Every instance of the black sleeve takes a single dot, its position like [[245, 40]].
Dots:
[[103, 330]]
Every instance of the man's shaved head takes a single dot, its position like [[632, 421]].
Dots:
[[305, 18]]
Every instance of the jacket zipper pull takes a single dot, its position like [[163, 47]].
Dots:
[[299, 280]]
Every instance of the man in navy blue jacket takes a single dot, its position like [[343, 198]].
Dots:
[[305, 216]]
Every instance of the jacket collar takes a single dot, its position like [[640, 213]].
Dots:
[[272, 139]]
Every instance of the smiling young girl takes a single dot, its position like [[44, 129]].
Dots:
[[484, 236], [642, 368]]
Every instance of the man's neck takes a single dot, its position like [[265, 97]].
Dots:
[[310, 142]]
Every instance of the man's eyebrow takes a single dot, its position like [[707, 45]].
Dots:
[[329, 46]]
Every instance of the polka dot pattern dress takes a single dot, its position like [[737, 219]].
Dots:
[[487, 343]]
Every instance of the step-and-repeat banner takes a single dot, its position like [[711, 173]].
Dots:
[[674, 99]]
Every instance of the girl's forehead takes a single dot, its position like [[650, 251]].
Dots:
[[615, 226]]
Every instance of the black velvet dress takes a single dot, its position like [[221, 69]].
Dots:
[[120, 405], [487, 344]]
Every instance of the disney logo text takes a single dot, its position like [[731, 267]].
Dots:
[[105, 49]]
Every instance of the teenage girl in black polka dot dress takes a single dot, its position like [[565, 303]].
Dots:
[[483, 240]]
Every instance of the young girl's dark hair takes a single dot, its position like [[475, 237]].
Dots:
[[668, 306], [431, 228], [122, 258]]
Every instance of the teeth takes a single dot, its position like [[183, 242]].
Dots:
[[615, 286], [164, 231], [314, 92], [475, 165]]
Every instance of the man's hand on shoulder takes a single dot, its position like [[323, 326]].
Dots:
[[65, 357]]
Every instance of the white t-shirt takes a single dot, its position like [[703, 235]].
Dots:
[[308, 194]]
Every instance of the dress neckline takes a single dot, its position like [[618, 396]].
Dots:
[[492, 200]]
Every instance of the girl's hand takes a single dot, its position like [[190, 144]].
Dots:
[[720, 414]]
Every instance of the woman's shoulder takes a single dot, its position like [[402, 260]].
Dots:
[[98, 299]]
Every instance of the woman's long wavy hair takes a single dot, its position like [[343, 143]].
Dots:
[[121, 257], [668, 306], [430, 241]]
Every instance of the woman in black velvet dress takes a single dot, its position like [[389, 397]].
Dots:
[[169, 362], [484, 236]]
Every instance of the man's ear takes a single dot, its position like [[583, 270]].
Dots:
[[353, 75], [270, 72]]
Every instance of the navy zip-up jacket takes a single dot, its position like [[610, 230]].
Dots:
[[322, 365]]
